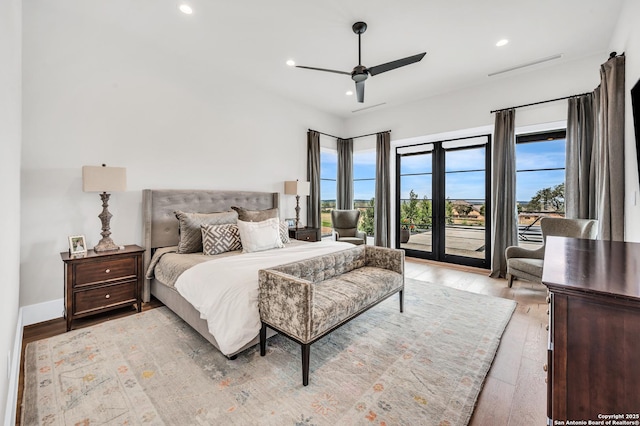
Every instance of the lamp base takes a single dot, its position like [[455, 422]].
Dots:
[[106, 244]]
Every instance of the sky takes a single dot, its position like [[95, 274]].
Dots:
[[461, 181]]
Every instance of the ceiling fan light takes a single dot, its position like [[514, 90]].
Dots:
[[291, 62]]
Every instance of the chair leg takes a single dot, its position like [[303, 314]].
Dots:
[[305, 363], [401, 301], [263, 339], [510, 280]]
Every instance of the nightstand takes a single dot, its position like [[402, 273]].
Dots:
[[305, 234], [99, 282]]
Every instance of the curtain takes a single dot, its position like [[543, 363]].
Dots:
[[344, 189], [504, 232], [313, 176], [595, 153], [580, 200], [382, 203]]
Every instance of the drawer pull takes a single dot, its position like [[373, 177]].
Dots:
[[547, 327], [308, 238], [107, 296], [545, 367], [106, 271]]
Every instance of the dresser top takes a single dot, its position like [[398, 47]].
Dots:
[[92, 254], [609, 268]]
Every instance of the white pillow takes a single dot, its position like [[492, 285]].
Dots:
[[260, 236]]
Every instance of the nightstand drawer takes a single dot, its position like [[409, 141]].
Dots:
[[101, 297], [304, 234], [105, 270]]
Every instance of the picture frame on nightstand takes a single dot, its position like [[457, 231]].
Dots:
[[77, 245], [291, 223]]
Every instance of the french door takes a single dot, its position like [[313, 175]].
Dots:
[[442, 205]]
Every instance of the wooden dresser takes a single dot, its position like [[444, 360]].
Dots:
[[593, 366], [98, 282]]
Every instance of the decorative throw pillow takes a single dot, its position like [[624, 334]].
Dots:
[[255, 215], [190, 224], [260, 236], [284, 232], [218, 239]]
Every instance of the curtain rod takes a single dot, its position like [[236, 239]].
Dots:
[[541, 102], [354, 137]]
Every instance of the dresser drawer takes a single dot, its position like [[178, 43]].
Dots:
[[102, 297], [105, 270]]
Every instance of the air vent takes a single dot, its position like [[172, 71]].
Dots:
[[528, 64], [369, 107]]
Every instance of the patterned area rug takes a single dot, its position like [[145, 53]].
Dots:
[[423, 367]]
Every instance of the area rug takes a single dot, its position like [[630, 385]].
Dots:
[[425, 366]]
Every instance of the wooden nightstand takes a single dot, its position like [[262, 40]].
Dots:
[[305, 234], [99, 282]]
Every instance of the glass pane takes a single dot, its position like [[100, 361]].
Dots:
[[415, 202], [363, 196], [465, 206], [328, 164], [540, 155], [364, 165], [328, 161]]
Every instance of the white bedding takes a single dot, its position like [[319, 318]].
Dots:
[[225, 290]]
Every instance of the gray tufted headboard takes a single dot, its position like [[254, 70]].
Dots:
[[159, 223]]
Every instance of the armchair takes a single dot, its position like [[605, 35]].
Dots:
[[527, 264], [345, 226]]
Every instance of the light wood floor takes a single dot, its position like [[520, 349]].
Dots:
[[514, 392]]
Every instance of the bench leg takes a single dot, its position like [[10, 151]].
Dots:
[[401, 301], [305, 363], [263, 339]]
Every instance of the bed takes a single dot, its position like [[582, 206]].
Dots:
[[161, 236]]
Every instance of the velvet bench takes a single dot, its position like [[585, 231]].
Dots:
[[308, 299]]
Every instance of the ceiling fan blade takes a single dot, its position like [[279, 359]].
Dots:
[[360, 91], [323, 69], [379, 69]]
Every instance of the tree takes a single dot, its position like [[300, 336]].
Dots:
[[548, 199], [448, 207], [367, 218], [409, 210], [423, 217]]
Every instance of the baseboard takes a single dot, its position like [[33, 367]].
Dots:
[[12, 391], [41, 312]]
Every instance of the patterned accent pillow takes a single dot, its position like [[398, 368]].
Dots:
[[190, 224], [259, 236], [284, 232], [218, 239], [255, 215]]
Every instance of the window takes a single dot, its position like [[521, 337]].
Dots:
[[328, 177], [540, 173], [364, 188]]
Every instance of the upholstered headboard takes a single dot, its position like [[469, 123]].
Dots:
[[159, 223]]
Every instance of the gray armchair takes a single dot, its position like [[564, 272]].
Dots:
[[527, 264], [345, 226]]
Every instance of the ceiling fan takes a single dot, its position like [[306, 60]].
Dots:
[[360, 73]]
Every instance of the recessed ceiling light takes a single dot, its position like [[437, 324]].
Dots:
[[186, 9], [349, 93], [502, 42], [291, 62]]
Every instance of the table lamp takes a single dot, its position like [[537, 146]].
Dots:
[[104, 179], [297, 188]]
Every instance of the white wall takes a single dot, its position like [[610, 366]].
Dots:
[[627, 39], [105, 97], [10, 116]]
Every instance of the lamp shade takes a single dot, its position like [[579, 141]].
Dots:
[[295, 187], [104, 179]]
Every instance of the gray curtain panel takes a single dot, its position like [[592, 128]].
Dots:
[[382, 202], [504, 216], [313, 176], [610, 151], [580, 189], [344, 183], [595, 153]]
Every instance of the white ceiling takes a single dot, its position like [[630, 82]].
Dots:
[[249, 41]]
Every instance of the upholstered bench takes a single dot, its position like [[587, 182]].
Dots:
[[308, 299]]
